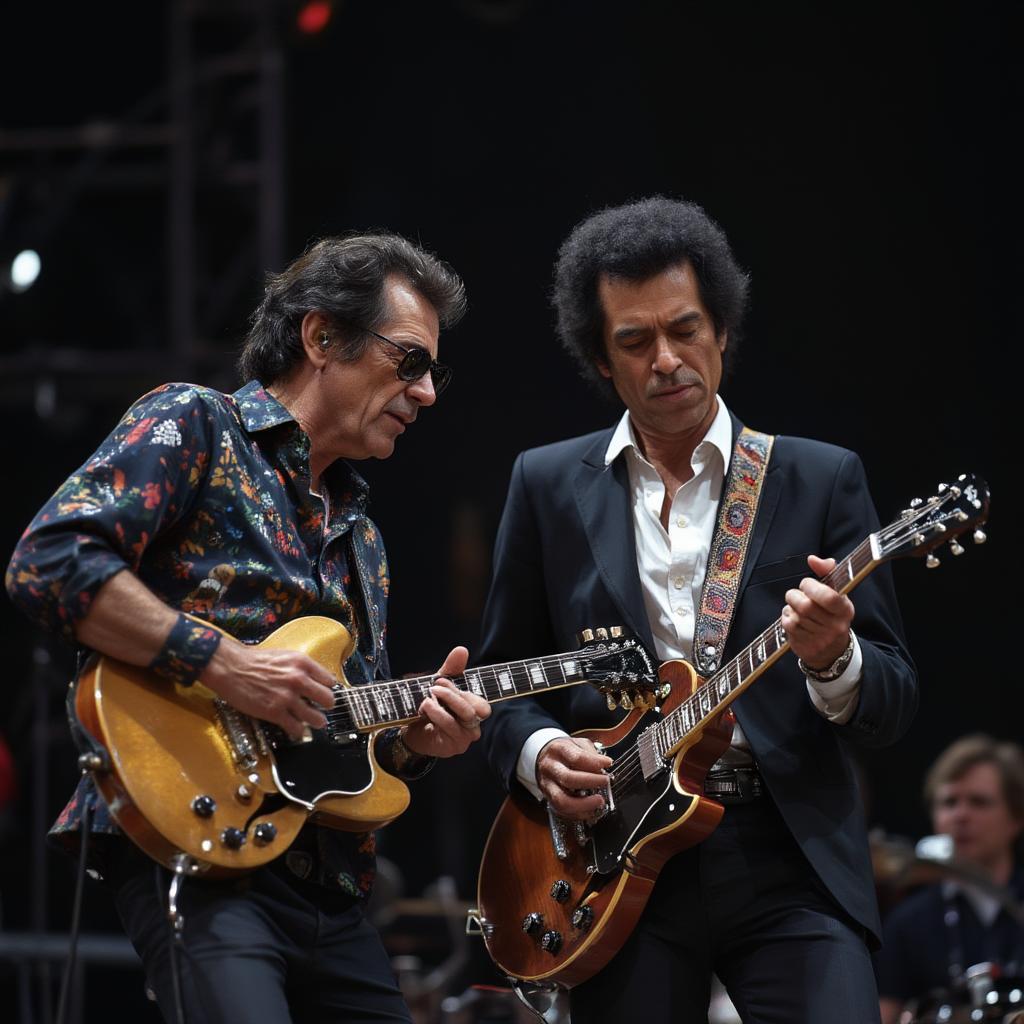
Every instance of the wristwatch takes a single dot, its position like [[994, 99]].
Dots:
[[408, 763], [834, 671]]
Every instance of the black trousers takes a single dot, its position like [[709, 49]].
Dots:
[[265, 949], [746, 905]]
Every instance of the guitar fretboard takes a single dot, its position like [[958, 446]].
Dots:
[[721, 689], [376, 705]]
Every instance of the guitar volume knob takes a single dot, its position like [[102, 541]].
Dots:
[[582, 918], [533, 923], [265, 832], [233, 838], [560, 890], [204, 805], [551, 942]]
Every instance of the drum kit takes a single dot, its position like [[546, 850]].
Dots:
[[985, 993]]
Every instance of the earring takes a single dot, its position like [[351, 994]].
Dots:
[[325, 339]]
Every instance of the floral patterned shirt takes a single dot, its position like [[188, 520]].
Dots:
[[207, 498]]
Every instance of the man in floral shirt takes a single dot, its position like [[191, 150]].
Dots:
[[241, 510]]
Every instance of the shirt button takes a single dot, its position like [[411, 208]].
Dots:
[[681, 522], [679, 583]]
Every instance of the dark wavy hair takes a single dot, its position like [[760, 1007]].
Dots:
[[343, 278], [637, 241]]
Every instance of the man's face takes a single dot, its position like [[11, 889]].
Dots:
[[369, 405], [664, 357], [973, 810]]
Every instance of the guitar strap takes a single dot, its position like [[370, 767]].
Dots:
[[736, 513]]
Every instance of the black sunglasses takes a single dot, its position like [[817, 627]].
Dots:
[[415, 362]]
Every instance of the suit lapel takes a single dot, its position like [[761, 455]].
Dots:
[[604, 502]]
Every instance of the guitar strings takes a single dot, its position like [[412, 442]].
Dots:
[[626, 768], [394, 689]]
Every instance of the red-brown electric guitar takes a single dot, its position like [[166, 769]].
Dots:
[[558, 898]]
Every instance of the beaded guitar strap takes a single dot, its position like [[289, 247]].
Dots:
[[736, 515]]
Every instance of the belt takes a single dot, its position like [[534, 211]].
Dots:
[[733, 785]]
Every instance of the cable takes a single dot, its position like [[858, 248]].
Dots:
[[175, 922], [76, 914]]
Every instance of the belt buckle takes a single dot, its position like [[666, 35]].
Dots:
[[748, 785], [734, 786]]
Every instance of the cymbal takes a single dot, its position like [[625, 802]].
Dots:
[[898, 865]]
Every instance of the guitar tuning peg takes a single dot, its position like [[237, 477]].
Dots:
[[584, 636], [916, 502], [610, 700], [601, 633], [931, 561], [625, 701], [980, 536], [943, 488], [956, 547], [615, 631]]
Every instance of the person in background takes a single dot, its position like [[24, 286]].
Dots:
[[974, 792]]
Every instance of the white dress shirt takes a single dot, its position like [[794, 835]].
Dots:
[[672, 564]]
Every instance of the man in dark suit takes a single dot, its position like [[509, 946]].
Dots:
[[616, 528]]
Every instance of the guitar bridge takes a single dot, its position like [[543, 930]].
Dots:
[[240, 742]]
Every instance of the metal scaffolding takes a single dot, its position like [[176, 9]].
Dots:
[[209, 136]]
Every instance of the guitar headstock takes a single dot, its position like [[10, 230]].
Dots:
[[619, 666], [943, 518]]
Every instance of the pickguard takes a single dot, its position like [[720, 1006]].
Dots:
[[301, 770]]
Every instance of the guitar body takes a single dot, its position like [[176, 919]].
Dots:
[[168, 744], [612, 875]]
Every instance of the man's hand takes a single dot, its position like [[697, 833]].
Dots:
[[817, 619], [565, 767], [449, 719], [276, 685]]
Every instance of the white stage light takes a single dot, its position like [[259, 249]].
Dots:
[[25, 269]]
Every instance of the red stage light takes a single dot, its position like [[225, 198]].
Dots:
[[313, 16]]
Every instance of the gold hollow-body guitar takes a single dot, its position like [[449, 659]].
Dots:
[[558, 898], [185, 775]]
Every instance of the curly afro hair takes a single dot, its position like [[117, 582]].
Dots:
[[637, 241]]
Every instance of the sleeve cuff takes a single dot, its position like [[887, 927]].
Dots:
[[526, 766], [837, 700], [186, 652]]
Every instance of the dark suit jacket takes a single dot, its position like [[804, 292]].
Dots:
[[565, 559]]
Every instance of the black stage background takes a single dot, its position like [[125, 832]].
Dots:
[[862, 161]]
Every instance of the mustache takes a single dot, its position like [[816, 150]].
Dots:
[[663, 382], [406, 415]]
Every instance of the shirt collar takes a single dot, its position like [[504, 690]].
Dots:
[[719, 437], [259, 409]]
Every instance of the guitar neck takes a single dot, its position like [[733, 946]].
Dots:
[[378, 705], [722, 688]]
